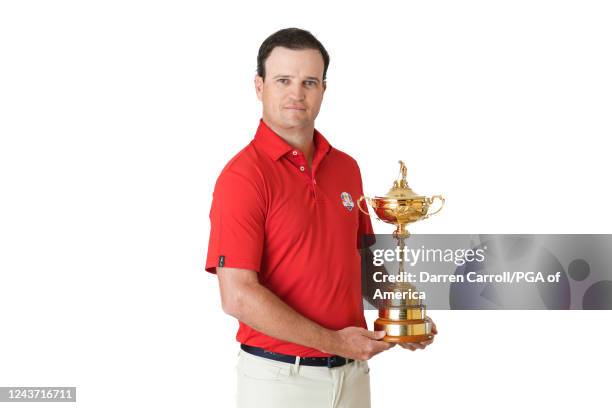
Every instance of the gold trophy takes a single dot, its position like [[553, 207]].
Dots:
[[403, 320]]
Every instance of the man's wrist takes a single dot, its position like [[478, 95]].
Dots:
[[329, 341]]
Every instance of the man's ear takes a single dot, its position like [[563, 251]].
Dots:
[[259, 83], [324, 85]]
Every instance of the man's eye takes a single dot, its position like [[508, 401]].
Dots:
[[283, 80], [310, 83]]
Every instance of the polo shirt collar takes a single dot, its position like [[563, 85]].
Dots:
[[274, 145]]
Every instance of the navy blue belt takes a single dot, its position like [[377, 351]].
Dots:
[[333, 361]]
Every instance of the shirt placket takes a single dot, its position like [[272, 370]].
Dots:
[[298, 160]]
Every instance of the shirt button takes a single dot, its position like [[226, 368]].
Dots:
[[301, 168], [314, 181], [294, 153]]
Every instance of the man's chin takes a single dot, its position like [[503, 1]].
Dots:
[[296, 122]]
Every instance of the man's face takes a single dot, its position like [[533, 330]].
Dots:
[[293, 88]]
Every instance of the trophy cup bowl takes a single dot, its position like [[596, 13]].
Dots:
[[401, 211], [403, 320]]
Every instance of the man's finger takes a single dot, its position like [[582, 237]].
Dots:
[[382, 346], [374, 335], [408, 346], [434, 329], [417, 345]]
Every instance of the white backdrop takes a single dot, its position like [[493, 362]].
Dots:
[[116, 118]]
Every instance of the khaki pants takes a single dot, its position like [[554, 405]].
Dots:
[[264, 383]]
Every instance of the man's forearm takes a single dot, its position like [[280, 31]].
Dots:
[[265, 312]]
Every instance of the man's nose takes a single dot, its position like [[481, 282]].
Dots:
[[297, 91]]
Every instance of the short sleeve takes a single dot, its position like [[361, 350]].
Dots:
[[237, 223], [365, 234]]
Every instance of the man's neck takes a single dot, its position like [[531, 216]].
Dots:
[[298, 138]]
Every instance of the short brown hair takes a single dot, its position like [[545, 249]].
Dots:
[[294, 39]]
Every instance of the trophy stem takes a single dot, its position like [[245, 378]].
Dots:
[[401, 232]]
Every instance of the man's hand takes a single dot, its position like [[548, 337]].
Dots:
[[358, 343], [421, 344]]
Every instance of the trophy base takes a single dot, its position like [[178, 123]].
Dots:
[[408, 339], [404, 331]]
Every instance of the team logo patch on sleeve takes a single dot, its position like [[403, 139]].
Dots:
[[347, 200]]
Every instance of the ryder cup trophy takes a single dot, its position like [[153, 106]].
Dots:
[[402, 319]]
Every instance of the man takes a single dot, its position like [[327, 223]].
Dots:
[[284, 243]]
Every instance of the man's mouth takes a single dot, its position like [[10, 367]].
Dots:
[[295, 107]]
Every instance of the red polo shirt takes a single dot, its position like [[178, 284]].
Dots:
[[297, 227]]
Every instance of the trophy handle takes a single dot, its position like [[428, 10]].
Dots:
[[431, 200], [359, 205], [369, 201]]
